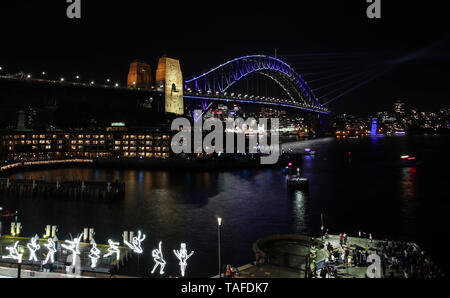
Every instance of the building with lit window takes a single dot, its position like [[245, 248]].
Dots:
[[111, 142], [399, 108]]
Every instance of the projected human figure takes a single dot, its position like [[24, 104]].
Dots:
[[51, 251], [183, 256], [136, 245], [158, 258], [113, 249], [73, 247], [33, 247], [13, 252], [94, 254]]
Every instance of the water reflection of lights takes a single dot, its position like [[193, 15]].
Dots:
[[409, 182], [409, 191], [298, 210]]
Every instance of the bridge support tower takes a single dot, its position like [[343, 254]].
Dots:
[[169, 79]]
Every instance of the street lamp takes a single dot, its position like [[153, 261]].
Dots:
[[322, 227], [219, 232], [19, 264]]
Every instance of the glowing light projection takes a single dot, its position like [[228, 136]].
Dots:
[[13, 252], [33, 247], [136, 245], [113, 249], [51, 251], [94, 254], [73, 247], [183, 256], [158, 258], [373, 129]]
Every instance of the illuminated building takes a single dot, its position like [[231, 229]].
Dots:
[[170, 79], [399, 107], [112, 142], [140, 75]]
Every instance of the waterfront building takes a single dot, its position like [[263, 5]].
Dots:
[[111, 142]]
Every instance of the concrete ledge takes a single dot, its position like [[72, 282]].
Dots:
[[284, 237]]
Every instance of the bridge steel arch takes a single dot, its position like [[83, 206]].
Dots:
[[218, 80]]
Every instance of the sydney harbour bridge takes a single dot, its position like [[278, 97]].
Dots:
[[171, 92], [214, 84]]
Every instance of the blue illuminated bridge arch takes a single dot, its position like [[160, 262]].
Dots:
[[214, 84]]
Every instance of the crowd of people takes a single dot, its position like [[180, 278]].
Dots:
[[397, 259], [406, 260]]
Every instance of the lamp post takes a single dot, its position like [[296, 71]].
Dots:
[[19, 265], [322, 227], [219, 226]]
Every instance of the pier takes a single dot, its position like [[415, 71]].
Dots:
[[105, 266], [63, 190], [290, 256]]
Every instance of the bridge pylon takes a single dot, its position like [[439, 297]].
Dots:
[[169, 79]]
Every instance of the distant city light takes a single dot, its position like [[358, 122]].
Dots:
[[29, 76], [118, 124], [117, 85], [62, 80], [77, 77]]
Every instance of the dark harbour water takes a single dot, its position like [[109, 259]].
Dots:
[[366, 189]]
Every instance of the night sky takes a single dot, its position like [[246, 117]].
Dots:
[[39, 37]]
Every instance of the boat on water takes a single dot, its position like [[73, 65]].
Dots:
[[308, 151], [290, 169], [409, 161], [298, 182]]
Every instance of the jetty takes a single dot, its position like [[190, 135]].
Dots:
[[291, 256], [76, 190]]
